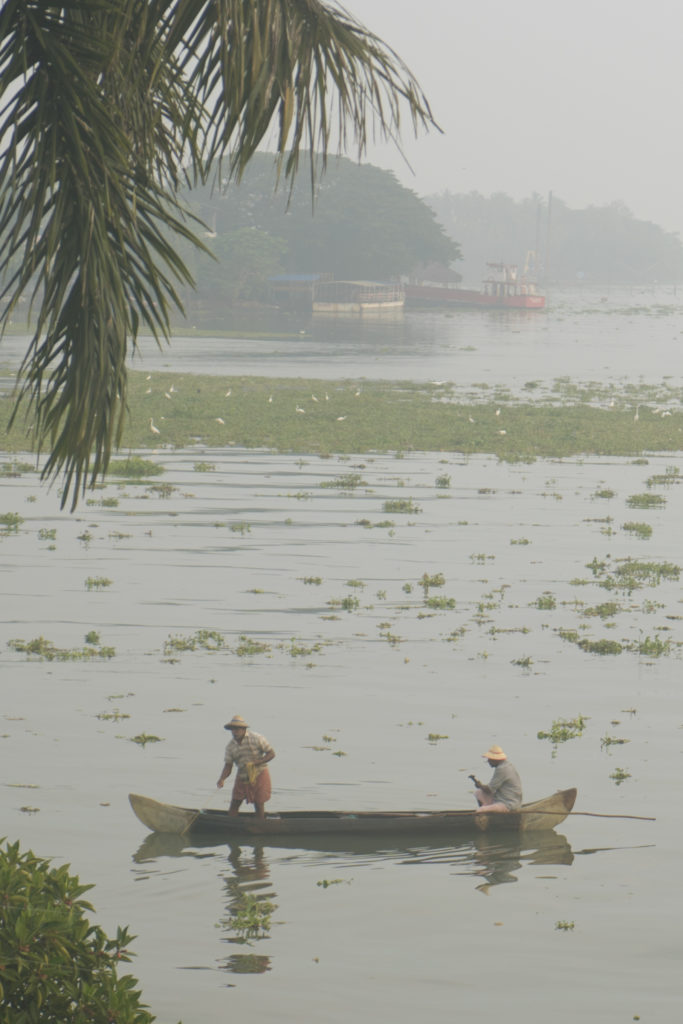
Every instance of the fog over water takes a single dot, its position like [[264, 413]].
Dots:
[[581, 99]]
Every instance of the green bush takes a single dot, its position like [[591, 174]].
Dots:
[[56, 967]]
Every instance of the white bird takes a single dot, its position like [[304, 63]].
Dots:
[[148, 391], [299, 409], [228, 393], [438, 383], [314, 398], [470, 419], [166, 394], [171, 389], [155, 430], [219, 420], [327, 397], [358, 393], [502, 431], [637, 415], [340, 418], [148, 377], [270, 399], [667, 412], [497, 412]]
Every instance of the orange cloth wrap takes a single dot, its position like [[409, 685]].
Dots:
[[253, 792]]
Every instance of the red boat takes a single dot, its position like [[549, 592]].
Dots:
[[505, 288]]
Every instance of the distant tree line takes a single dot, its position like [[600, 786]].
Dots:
[[361, 224], [598, 244]]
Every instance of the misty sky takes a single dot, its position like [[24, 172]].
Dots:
[[581, 98]]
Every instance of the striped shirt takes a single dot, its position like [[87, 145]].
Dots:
[[252, 748]]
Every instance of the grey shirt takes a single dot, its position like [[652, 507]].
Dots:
[[506, 786]]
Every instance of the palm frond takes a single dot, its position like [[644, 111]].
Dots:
[[106, 107]]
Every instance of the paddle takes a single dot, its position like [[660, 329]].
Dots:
[[589, 814]]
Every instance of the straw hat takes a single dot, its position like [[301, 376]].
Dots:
[[495, 754], [236, 722]]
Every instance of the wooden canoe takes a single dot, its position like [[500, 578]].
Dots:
[[540, 815]]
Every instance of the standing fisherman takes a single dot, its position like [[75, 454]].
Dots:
[[504, 791], [251, 753]]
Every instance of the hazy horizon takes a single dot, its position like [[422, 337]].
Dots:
[[583, 100]]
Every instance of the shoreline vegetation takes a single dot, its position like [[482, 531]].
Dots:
[[354, 416]]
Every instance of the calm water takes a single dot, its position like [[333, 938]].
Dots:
[[398, 931]]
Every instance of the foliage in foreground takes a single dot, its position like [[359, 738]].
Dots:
[[56, 967]]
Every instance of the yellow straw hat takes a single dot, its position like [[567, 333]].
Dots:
[[236, 722], [495, 754]]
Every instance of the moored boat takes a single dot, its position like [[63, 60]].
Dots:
[[504, 288], [539, 815], [358, 298]]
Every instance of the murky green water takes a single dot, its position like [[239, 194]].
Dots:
[[355, 674]]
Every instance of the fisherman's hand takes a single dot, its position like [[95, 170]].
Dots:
[[220, 783]]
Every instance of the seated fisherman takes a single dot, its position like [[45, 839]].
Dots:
[[504, 791]]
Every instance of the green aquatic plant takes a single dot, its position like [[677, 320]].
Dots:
[[564, 926], [134, 468], [611, 741], [248, 647], [405, 506], [653, 647], [607, 610], [10, 522], [632, 573], [619, 776], [251, 915], [671, 476], [97, 583], [546, 602], [642, 530], [45, 650], [345, 482], [600, 646], [427, 582], [240, 528], [434, 737], [143, 738], [564, 729], [441, 603], [161, 490], [45, 534], [204, 467], [646, 501], [525, 662], [203, 639], [112, 716], [605, 492], [443, 481], [16, 468]]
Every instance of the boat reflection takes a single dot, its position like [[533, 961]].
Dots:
[[493, 859], [250, 904]]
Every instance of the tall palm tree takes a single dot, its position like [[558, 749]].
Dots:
[[107, 108]]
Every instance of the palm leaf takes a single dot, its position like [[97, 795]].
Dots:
[[106, 108]]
